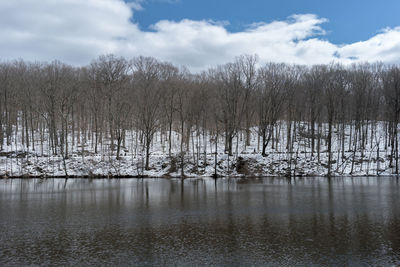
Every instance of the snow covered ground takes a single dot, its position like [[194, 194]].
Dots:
[[17, 160]]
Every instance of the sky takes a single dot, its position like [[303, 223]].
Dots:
[[201, 34], [349, 21]]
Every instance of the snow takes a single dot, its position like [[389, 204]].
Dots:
[[20, 161]]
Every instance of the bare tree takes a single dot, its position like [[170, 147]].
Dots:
[[391, 89], [147, 98], [111, 72], [230, 95], [271, 96]]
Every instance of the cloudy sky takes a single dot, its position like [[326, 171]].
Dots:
[[200, 34]]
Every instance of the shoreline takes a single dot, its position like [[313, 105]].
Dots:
[[242, 165], [100, 177]]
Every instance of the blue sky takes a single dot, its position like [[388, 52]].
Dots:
[[202, 33], [349, 21]]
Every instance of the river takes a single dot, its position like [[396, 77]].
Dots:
[[228, 222]]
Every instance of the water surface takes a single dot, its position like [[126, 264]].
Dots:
[[269, 221]]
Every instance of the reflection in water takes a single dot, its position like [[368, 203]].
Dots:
[[273, 221]]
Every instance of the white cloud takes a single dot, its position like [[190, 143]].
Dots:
[[78, 31], [135, 5], [384, 47]]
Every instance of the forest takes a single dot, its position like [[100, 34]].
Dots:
[[120, 109]]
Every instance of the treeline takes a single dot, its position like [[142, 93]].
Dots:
[[59, 106]]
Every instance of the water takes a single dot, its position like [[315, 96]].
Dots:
[[312, 221]]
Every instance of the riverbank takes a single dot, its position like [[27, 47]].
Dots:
[[203, 157], [162, 166]]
